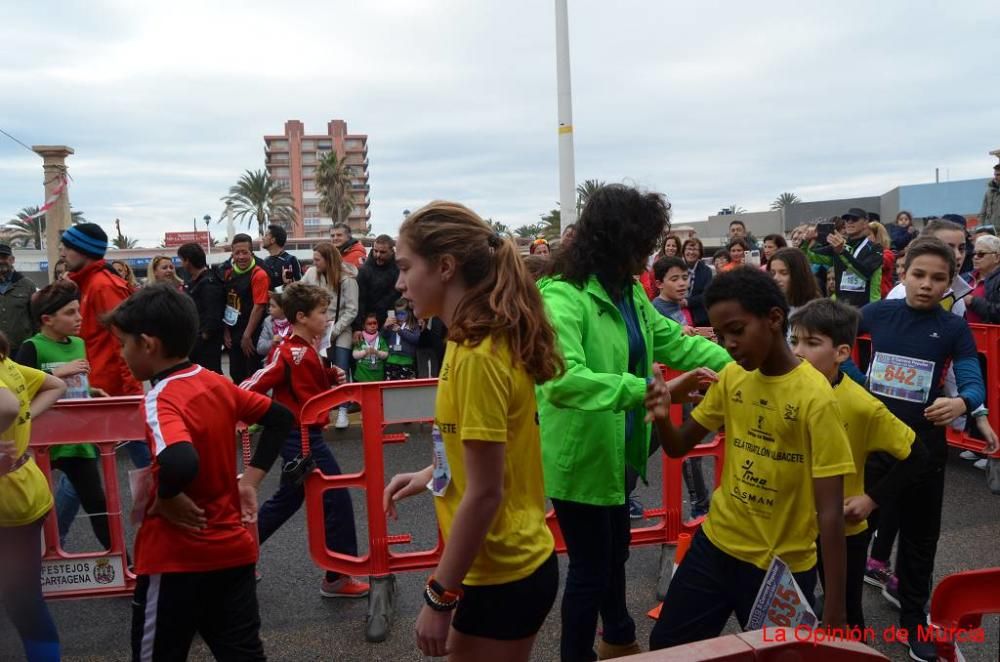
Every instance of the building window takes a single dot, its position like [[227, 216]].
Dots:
[[278, 145], [308, 184], [308, 145], [280, 173], [354, 144], [309, 157], [325, 144]]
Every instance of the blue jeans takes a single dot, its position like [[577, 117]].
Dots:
[[21, 592], [708, 586], [338, 512]]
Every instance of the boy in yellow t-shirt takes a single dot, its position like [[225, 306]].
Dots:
[[24, 501], [785, 462], [823, 333]]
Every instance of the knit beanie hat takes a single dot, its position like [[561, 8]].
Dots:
[[87, 238]]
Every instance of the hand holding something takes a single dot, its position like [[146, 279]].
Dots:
[[340, 375], [688, 330], [944, 410], [402, 486], [686, 387], [77, 367], [858, 508], [180, 511], [432, 631], [837, 242]]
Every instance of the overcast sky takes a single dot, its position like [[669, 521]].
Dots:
[[711, 103]]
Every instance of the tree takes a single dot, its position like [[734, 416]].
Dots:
[[551, 225], [124, 241], [500, 228], [529, 231], [785, 200], [257, 197], [333, 183], [585, 190], [31, 230]]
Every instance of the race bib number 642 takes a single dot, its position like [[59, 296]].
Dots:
[[901, 377]]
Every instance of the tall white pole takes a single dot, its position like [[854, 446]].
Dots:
[[567, 175]]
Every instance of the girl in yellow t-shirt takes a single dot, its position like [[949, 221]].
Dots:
[[25, 499], [498, 576]]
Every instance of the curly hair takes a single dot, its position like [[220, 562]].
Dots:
[[618, 227], [501, 301], [755, 291]]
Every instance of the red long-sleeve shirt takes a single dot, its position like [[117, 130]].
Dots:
[[295, 374]]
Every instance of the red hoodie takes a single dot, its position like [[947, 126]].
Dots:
[[101, 290], [295, 373], [355, 254]]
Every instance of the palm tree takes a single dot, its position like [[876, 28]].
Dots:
[[500, 228], [785, 200], [585, 190], [258, 197], [529, 231], [333, 183], [124, 241], [551, 225], [31, 230]]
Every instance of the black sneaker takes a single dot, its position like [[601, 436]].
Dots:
[[922, 651], [636, 509]]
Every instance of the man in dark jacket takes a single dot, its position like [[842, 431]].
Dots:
[[856, 261], [209, 297], [377, 291], [15, 301], [280, 265]]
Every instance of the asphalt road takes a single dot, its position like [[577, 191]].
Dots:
[[298, 624]]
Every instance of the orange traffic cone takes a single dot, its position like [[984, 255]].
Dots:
[[683, 543]]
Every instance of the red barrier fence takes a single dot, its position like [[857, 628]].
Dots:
[[104, 422], [774, 645], [957, 608]]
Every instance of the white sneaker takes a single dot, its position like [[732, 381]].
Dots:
[[981, 464], [342, 421], [968, 455]]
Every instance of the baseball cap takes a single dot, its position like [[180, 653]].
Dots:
[[855, 212]]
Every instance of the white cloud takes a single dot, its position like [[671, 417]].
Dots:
[[712, 103]]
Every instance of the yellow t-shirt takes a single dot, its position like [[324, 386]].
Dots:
[[781, 433], [24, 493], [481, 397], [870, 428]]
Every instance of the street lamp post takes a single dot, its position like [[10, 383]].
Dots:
[[208, 234], [567, 174]]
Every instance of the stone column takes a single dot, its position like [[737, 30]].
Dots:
[[57, 219]]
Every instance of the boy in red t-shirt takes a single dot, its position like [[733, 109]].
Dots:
[[193, 553], [296, 373]]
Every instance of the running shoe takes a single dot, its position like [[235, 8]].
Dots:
[[345, 587], [877, 573], [342, 422], [919, 650], [635, 509], [968, 455], [981, 464], [891, 591]]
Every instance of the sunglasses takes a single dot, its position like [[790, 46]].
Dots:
[[983, 253]]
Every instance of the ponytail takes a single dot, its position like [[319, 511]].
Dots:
[[502, 300]]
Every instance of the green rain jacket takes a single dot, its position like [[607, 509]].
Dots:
[[582, 412]]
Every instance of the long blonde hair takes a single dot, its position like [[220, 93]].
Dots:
[[502, 300], [334, 263]]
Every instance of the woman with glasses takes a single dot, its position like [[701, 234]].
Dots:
[[983, 303]]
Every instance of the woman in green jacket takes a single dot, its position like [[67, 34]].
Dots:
[[592, 416]]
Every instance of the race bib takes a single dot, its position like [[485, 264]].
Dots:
[[77, 386], [441, 477], [901, 377], [851, 282], [780, 602], [231, 316]]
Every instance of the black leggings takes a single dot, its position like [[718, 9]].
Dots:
[[85, 476]]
